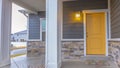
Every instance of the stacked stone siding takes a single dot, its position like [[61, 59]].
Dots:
[[72, 50], [114, 51], [35, 48]]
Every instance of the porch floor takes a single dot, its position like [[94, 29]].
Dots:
[[75, 64], [24, 62], [38, 62]]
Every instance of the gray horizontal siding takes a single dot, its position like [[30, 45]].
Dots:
[[87, 4], [34, 26], [115, 18], [75, 30]]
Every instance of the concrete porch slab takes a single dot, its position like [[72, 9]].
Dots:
[[39, 62]]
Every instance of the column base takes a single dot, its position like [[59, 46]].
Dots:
[[4, 63]]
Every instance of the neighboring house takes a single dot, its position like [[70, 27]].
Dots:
[[74, 29], [19, 36]]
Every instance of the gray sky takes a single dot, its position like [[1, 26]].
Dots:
[[19, 21]]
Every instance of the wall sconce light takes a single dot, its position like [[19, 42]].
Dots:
[[78, 16]]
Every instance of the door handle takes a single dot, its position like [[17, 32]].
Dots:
[[86, 34]]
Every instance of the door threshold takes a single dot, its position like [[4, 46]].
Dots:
[[95, 55]]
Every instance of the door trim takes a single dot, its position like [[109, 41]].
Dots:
[[106, 32]]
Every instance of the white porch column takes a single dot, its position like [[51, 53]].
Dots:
[[5, 22], [53, 37]]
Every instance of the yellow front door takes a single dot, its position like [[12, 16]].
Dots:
[[95, 36]]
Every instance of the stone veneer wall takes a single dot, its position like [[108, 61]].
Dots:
[[114, 51], [35, 48], [72, 50]]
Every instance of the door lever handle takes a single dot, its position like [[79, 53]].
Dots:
[[86, 34]]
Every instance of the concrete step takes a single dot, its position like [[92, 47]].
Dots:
[[95, 57]]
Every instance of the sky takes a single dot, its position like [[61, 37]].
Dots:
[[19, 21]]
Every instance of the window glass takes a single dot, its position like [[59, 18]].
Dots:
[[43, 23]]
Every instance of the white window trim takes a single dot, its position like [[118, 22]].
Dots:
[[95, 11], [72, 39], [40, 30], [114, 39], [109, 19]]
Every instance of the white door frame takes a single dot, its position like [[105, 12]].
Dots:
[[106, 11]]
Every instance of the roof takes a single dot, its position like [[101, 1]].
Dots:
[[21, 32]]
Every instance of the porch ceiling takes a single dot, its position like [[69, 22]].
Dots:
[[33, 5]]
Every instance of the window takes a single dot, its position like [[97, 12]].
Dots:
[[43, 24], [43, 28]]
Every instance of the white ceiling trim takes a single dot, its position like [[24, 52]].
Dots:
[[68, 0], [24, 5], [34, 5]]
